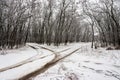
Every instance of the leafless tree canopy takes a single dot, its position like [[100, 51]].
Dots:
[[59, 21]]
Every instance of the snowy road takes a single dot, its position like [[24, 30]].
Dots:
[[30, 67], [71, 62], [59, 56], [85, 64], [22, 67]]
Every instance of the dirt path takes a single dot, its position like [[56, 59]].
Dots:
[[48, 65]]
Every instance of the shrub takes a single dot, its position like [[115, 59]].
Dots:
[[109, 48]]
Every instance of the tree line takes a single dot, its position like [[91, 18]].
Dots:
[[47, 22], [105, 16], [58, 21]]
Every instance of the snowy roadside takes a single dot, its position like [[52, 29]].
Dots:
[[16, 56], [86, 64], [32, 59]]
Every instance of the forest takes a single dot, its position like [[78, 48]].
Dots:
[[59, 21], [59, 39]]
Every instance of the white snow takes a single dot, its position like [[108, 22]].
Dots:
[[86, 64], [35, 60], [16, 73], [16, 56]]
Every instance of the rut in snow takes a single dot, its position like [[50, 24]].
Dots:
[[48, 65]]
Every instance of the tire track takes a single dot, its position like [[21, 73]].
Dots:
[[47, 66], [20, 63], [64, 50], [31, 59]]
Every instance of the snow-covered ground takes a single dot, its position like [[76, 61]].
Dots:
[[18, 63], [85, 64], [12, 57]]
